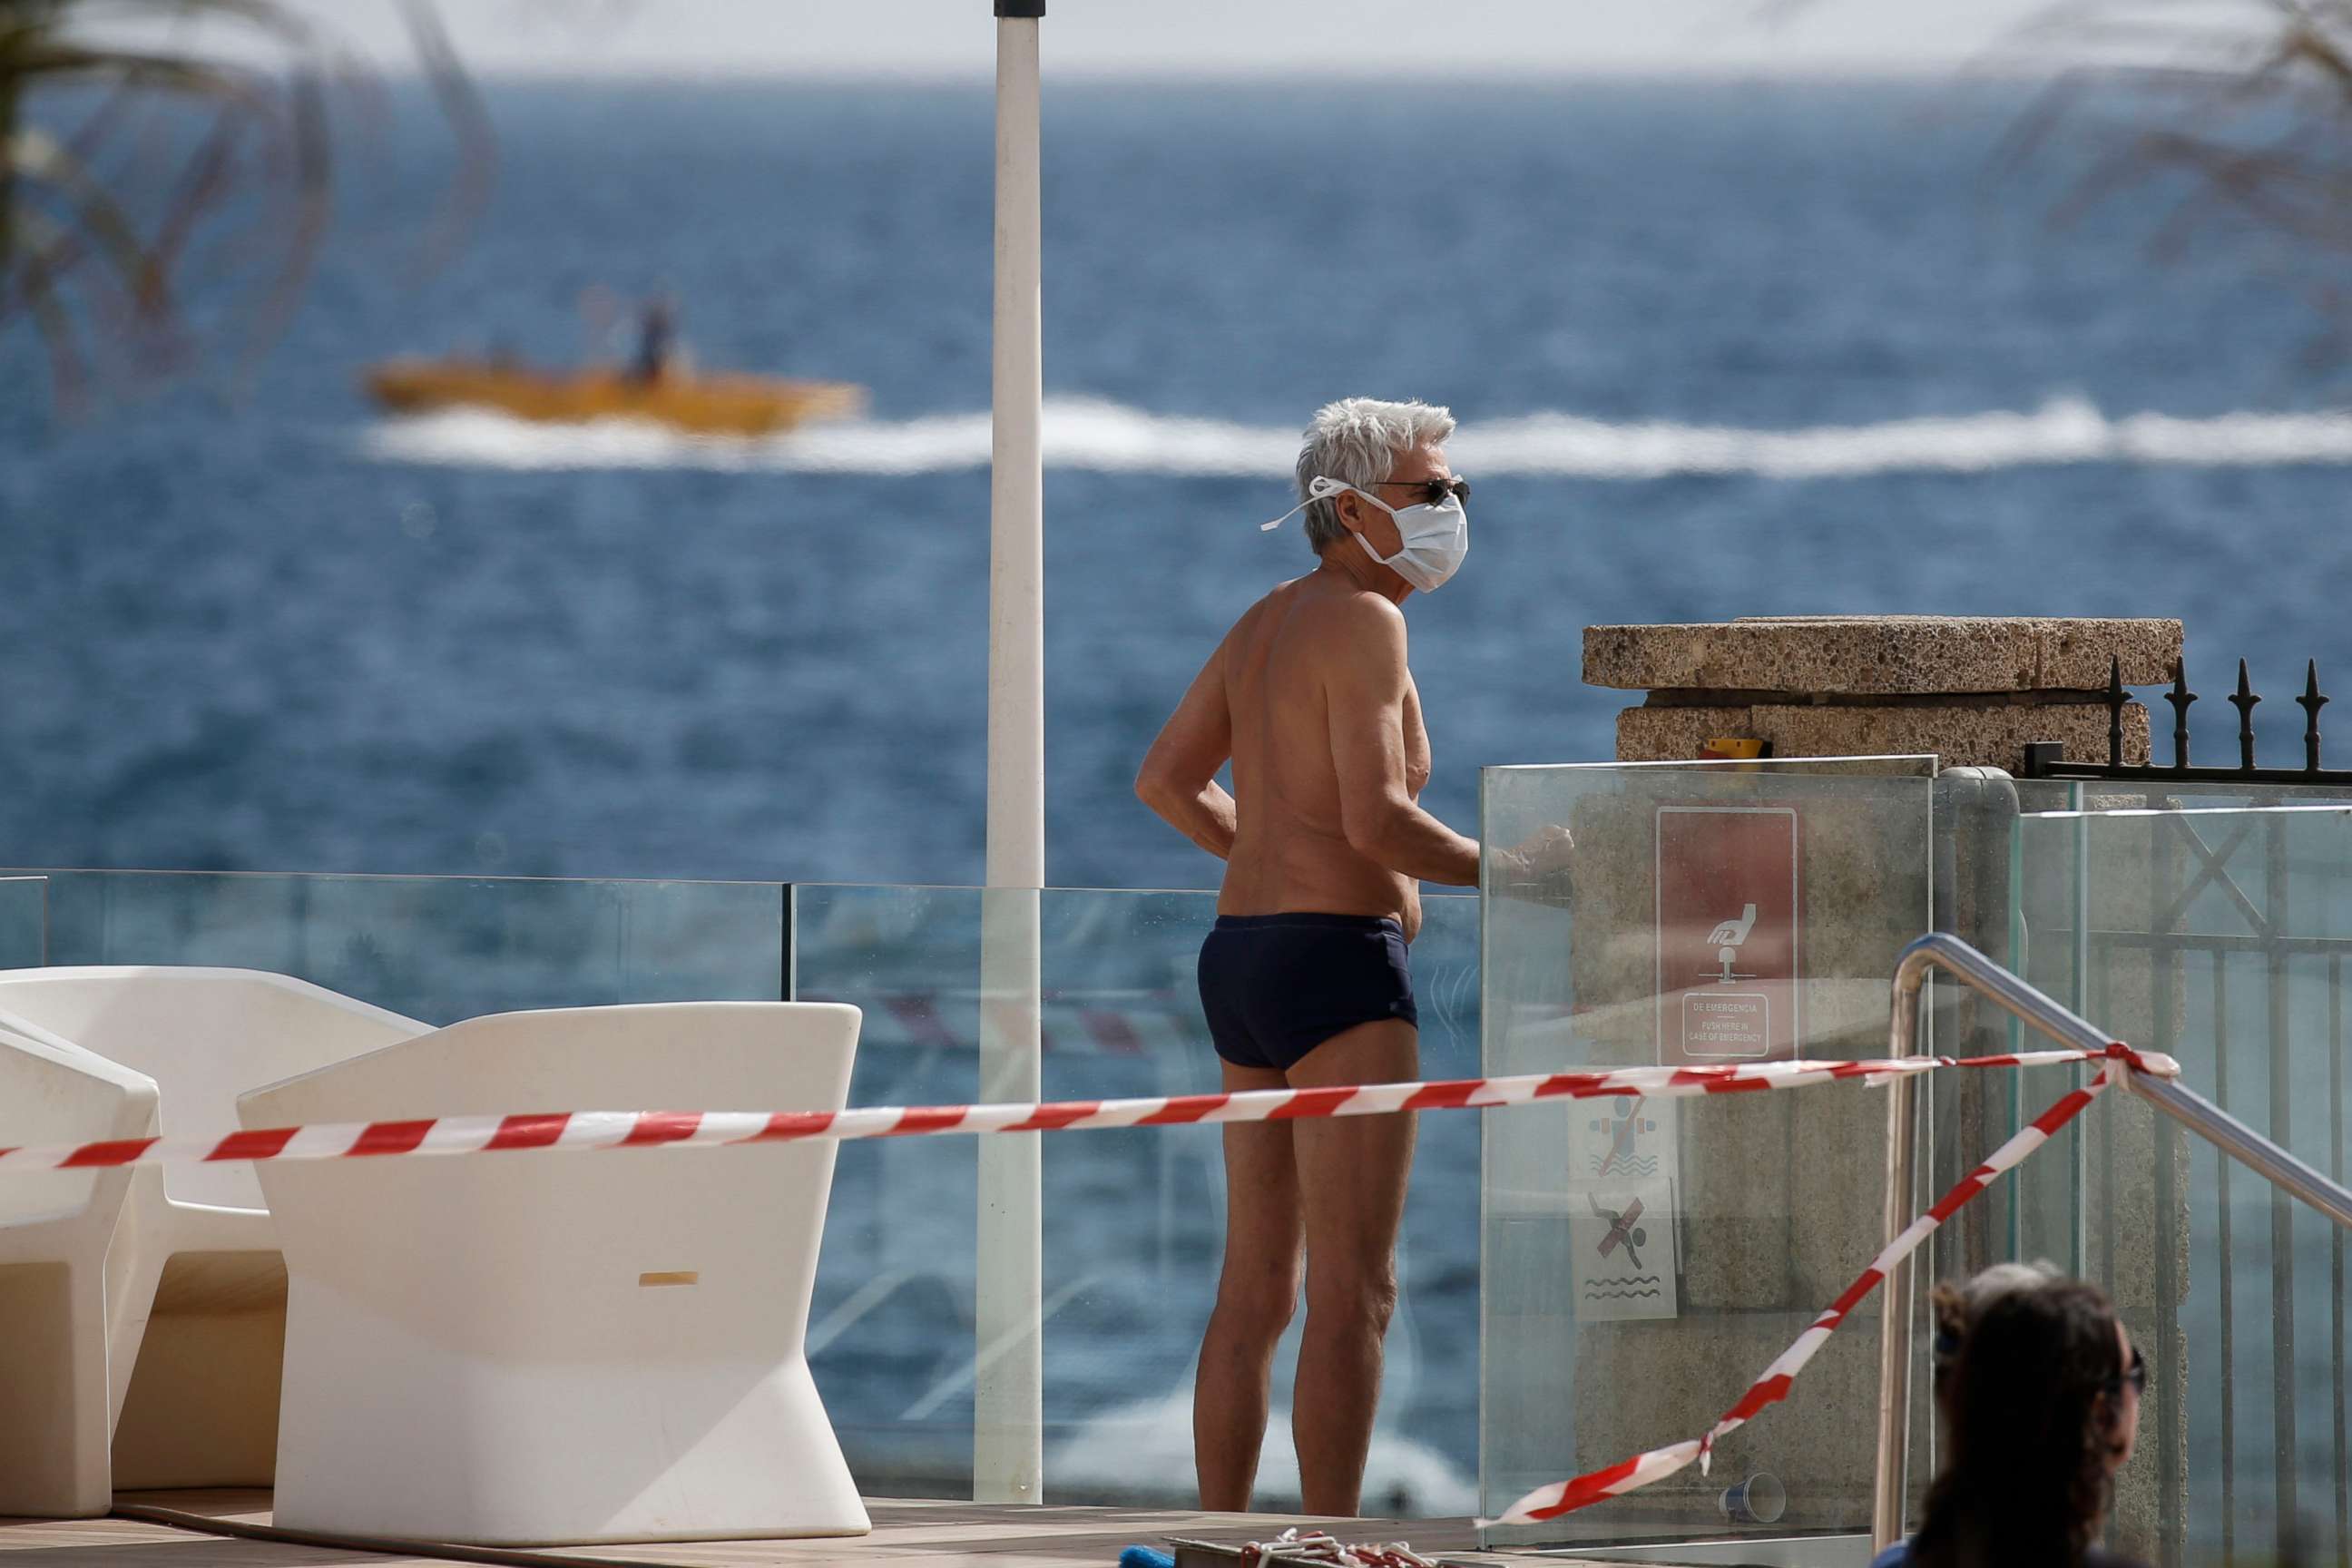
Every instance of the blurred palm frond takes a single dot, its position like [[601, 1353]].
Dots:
[[2209, 112], [2259, 112], [192, 116]]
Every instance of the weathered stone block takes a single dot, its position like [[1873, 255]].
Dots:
[[1932, 654], [1976, 735]]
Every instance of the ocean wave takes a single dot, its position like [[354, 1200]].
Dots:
[[1079, 434], [1110, 437]]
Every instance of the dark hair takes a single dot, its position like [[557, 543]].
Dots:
[[2025, 1474]]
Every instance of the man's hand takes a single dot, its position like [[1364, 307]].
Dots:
[[1545, 855]]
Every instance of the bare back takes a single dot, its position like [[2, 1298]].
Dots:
[[1290, 849]]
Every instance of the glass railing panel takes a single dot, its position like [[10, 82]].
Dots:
[[1644, 1259], [891, 1330], [1133, 1219], [2045, 797], [2220, 937], [24, 922], [1135, 1223], [436, 947]]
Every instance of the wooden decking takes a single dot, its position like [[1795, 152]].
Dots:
[[906, 1535]]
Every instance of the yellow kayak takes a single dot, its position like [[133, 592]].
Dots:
[[704, 405]]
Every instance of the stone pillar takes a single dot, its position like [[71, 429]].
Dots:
[[1973, 691]]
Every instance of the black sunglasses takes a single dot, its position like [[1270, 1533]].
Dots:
[[2135, 1374], [1433, 492]]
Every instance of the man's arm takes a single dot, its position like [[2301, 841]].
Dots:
[[1178, 776], [1364, 687]]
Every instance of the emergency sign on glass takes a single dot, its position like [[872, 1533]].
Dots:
[[1728, 917]]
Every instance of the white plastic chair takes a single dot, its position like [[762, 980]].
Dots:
[[196, 1286], [55, 1228], [510, 1349]]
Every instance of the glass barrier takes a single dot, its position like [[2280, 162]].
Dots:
[[2045, 796], [436, 948], [2221, 937], [1644, 1259], [1133, 1219], [1632, 1264], [2053, 797], [24, 922], [891, 1332]]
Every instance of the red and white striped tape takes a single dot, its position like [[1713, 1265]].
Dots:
[[1565, 1497], [691, 1128]]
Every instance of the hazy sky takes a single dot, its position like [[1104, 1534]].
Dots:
[[953, 37]]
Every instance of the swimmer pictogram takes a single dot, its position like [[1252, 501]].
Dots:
[[1621, 1158]]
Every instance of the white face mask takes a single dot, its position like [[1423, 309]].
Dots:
[[1434, 538]]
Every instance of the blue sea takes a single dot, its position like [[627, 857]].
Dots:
[[1717, 350]]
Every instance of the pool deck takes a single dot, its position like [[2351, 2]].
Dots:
[[906, 1534]]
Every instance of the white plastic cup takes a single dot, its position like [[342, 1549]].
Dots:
[[1759, 1500]]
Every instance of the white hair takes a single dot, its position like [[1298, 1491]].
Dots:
[[1358, 440]]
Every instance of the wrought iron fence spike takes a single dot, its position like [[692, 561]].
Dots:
[[2116, 699], [2243, 700], [2181, 696], [2312, 700], [2047, 760]]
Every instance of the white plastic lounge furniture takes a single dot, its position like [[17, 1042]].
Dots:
[[55, 1226], [193, 1276], [511, 1348]]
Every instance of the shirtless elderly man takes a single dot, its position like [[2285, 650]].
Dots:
[[1304, 979]]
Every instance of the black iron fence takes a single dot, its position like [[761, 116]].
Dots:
[[2048, 760]]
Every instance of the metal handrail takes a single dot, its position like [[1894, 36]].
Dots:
[[2038, 1011]]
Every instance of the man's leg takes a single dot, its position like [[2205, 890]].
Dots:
[[1351, 1183], [1257, 1294]]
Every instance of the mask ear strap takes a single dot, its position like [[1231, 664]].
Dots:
[[1322, 487]]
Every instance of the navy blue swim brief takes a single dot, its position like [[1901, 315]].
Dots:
[[1276, 986]]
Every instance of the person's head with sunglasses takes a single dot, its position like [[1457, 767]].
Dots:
[[2039, 1386], [1378, 471]]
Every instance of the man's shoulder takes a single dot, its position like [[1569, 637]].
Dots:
[[1361, 613], [1341, 637], [1324, 617]]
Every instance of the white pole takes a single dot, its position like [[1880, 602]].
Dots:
[[1008, 1390]]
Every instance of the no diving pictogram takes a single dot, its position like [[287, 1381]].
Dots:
[[1622, 1228]]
